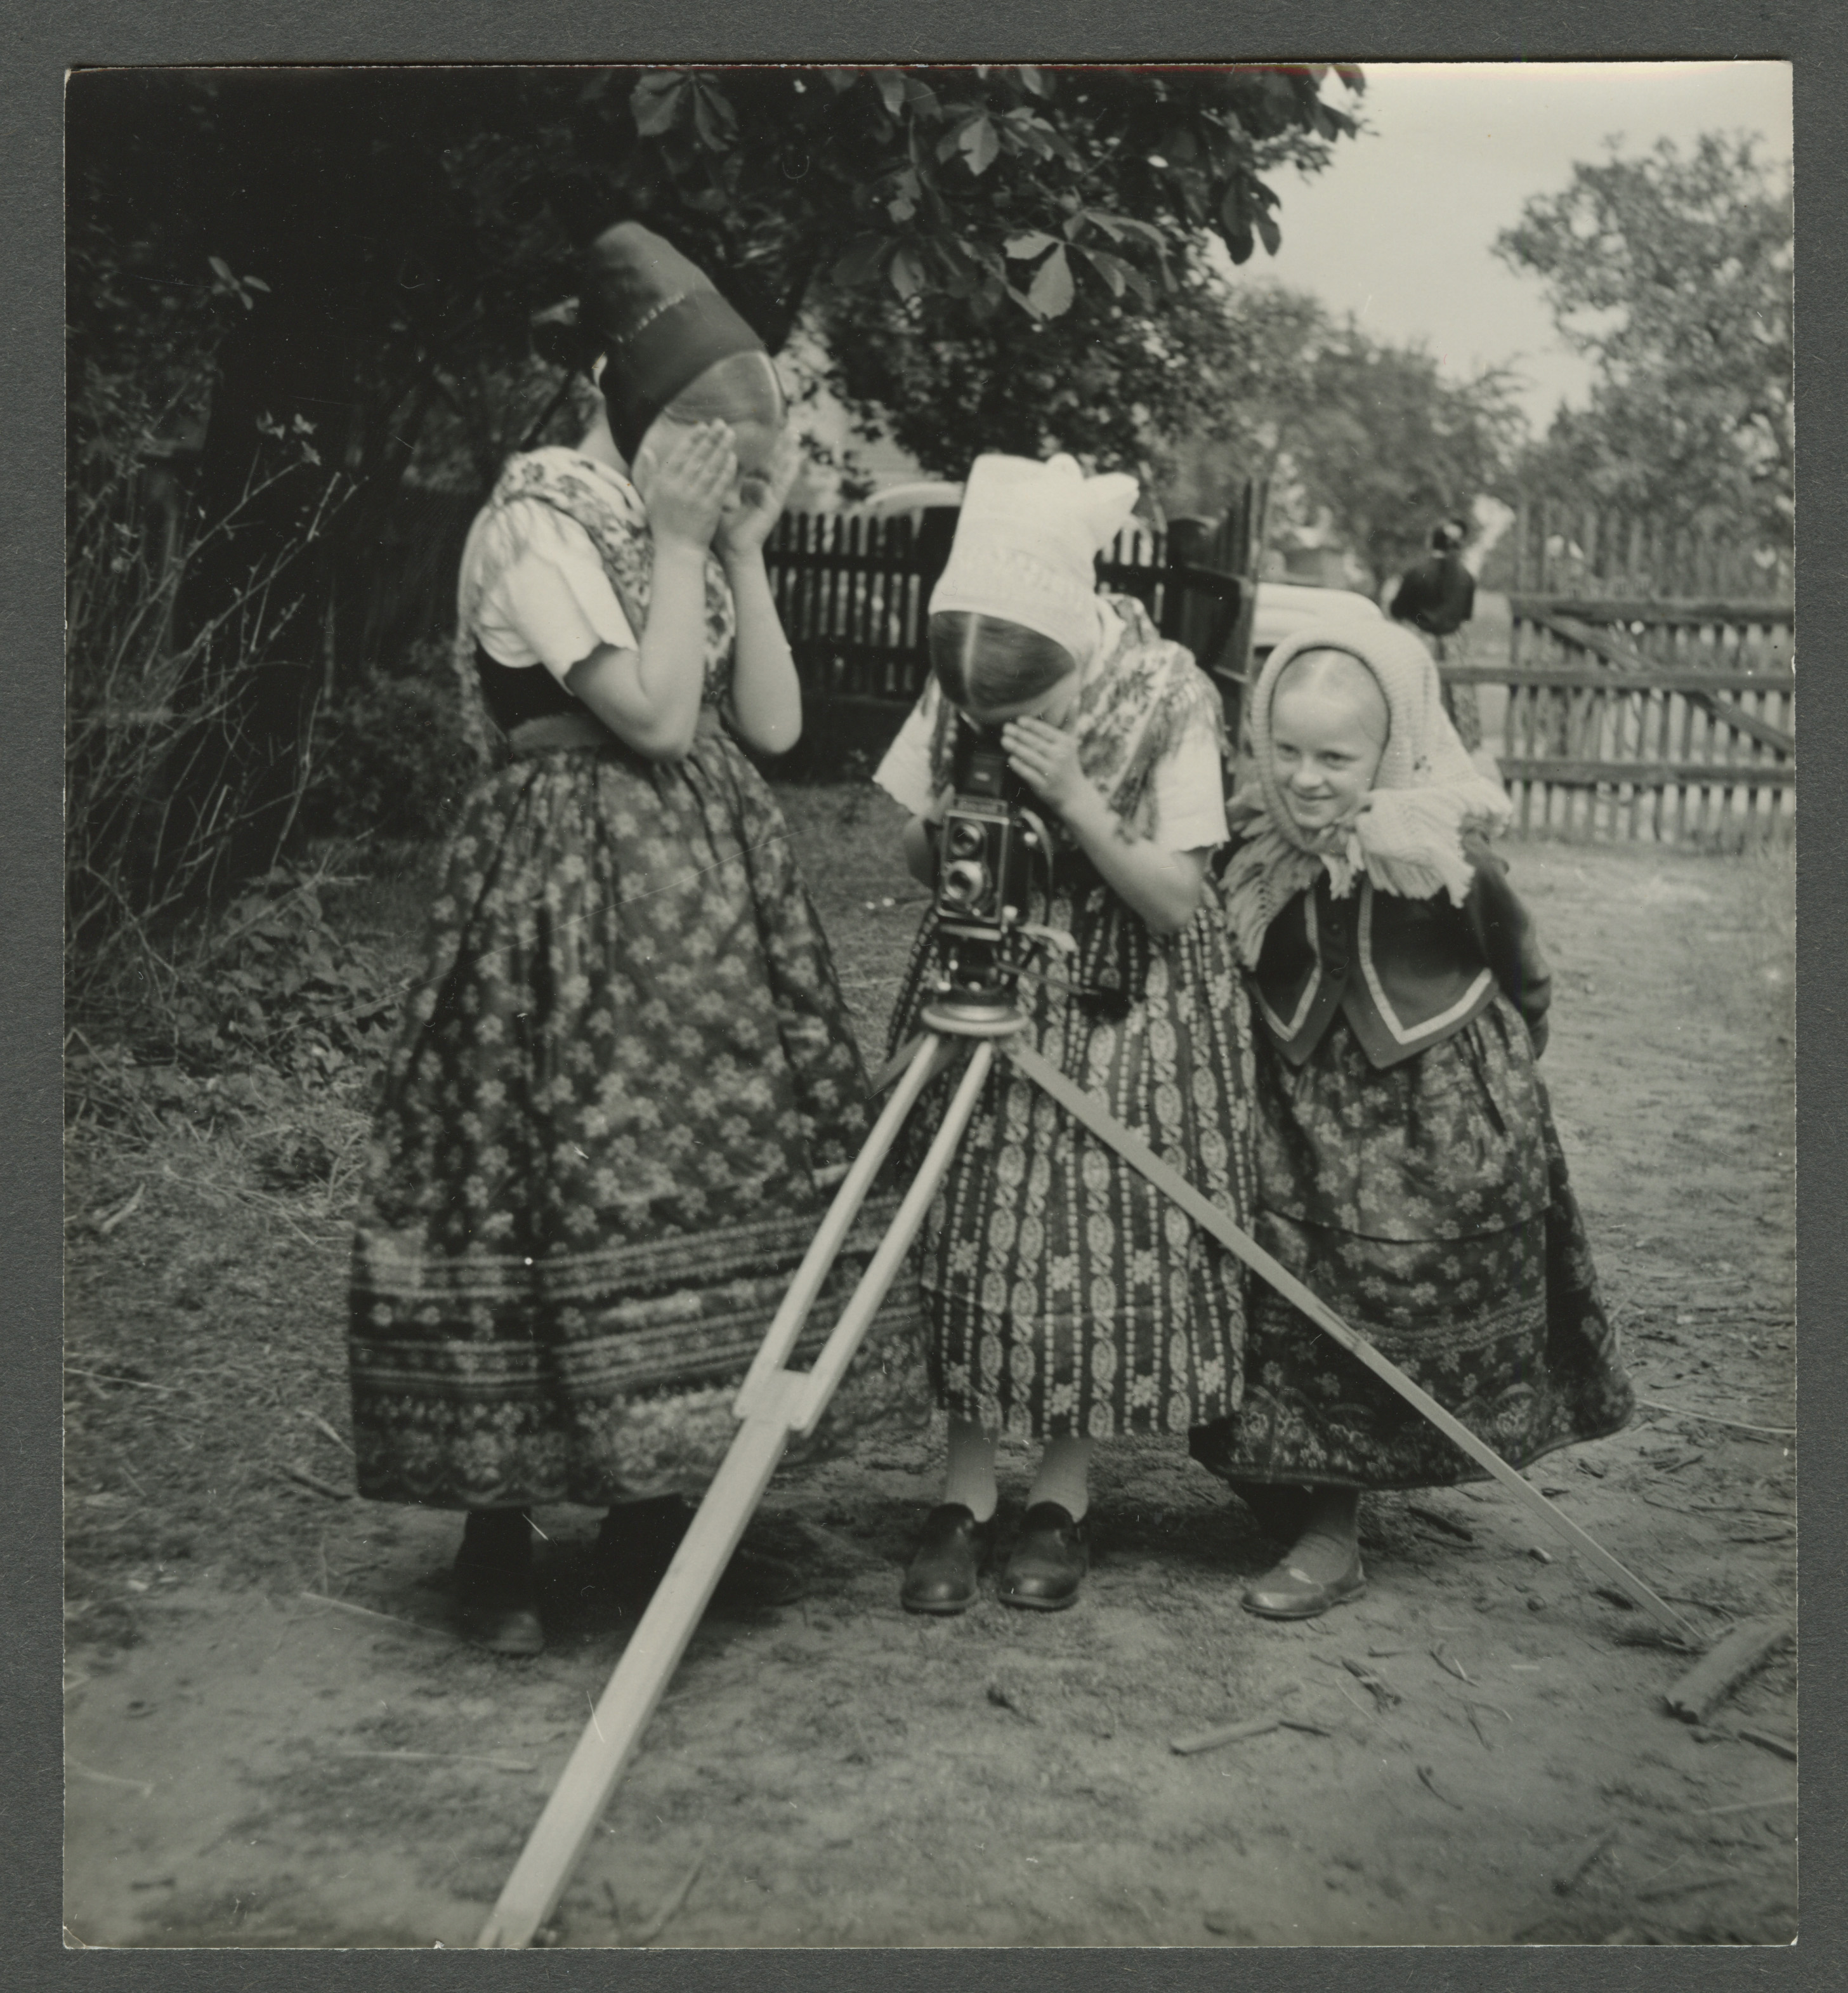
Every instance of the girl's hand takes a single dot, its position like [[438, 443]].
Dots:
[[690, 488], [757, 503], [1046, 760]]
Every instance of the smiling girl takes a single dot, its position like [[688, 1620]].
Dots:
[[1409, 1171]]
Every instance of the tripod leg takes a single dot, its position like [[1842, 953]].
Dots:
[[900, 1061], [1174, 1185], [556, 1845], [782, 1402], [929, 1054], [838, 1350]]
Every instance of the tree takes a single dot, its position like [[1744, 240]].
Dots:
[[1371, 439], [374, 243], [392, 231], [1671, 273], [1108, 381], [1388, 445]]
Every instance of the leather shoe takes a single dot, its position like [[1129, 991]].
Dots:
[[1280, 1508], [496, 1605], [1288, 1593], [637, 1542], [942, 1574], [1049, 1561]]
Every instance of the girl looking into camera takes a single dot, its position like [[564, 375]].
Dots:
[[1065, 1299]]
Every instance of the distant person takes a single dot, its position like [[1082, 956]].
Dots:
[[1438, 596]]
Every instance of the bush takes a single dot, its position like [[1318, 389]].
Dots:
[[168, 794], [393, 757], [250, 1007]]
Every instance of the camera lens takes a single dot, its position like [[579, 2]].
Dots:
[[964, 883], [966, 839]]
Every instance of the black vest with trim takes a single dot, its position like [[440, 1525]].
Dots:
[[1406, 974]]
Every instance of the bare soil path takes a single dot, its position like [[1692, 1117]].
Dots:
[[1488, 1758]]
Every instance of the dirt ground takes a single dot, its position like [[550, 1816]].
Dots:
[[275, 1740]]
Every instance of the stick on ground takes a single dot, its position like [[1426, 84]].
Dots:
[[1745, 1650]]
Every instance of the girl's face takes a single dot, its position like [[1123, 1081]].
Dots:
[[1327, 733]]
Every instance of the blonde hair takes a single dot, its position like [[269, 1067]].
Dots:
[[1328, 667]]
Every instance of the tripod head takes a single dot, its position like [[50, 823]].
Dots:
[[989, 840]]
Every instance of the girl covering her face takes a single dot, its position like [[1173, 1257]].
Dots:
[[627, 1084]]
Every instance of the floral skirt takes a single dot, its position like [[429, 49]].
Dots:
[[1063, 1294], [1379, 1190], [624, 1092]]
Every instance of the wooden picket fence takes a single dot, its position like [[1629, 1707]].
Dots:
[[853, 593], [1638, 710]]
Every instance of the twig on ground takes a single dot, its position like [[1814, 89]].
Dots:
[[321, 1425], [1382, 1692], [1227, 1733], [445, 1758], [109, 1779], [1751, 1806], [1235, 1733], [105, 1226], [658, 1923], [1450, 1666], [1704, 1881], [1430, 1785], [1784, 1747], [140, 1383], [1574, 1872], [386, 1618], [1745, 1650], [1714, 1418], [1439, 1520], [313, 1481]]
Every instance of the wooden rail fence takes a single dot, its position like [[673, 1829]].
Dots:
[[1651, 683]]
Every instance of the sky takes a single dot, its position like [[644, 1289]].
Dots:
[[1399, 228]]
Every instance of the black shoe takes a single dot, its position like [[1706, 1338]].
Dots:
[[1288, 1592], [496, 1605], [1049, 1561], [952, 1554], [1280, 1509], [637, 1543]]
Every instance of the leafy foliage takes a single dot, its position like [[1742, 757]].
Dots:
[[1673, 272], [268, 994], [1106, 381], [1388, 445], [391, 757], [1370, 438]]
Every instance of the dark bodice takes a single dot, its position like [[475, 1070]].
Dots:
[[514, 694]]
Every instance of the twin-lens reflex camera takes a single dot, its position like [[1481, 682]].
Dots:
[[990, 844]]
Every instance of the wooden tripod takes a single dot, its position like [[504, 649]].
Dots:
[[774, 1404]]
